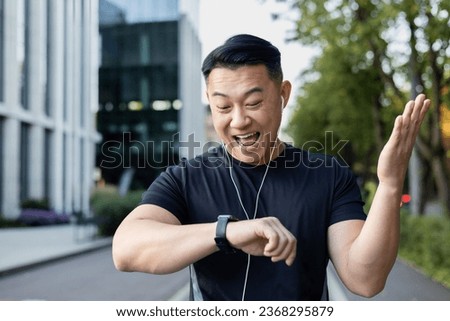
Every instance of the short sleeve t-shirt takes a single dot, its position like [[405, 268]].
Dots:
[[306, 192]]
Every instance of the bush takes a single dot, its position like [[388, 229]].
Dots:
[[35, 203], [425, 242], [110, 209], [6, 222], [102, 193]]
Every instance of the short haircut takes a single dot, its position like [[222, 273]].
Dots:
[[245, 50]]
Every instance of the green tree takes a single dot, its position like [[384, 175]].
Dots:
[[375, 55]]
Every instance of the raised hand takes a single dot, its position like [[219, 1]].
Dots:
[[394, 158]]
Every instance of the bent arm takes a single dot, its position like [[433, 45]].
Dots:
[[364, 252], [151, 239]]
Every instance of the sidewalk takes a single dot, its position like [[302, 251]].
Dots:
[[24, 247], [21, 248]]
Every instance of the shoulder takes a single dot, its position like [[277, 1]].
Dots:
[[212, 158], [197, 166], [311, 160]]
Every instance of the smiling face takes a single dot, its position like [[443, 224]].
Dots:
[[246, 107]]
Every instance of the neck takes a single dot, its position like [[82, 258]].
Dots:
[[248, 156], [274, 151]]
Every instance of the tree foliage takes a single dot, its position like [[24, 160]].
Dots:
[[376, 55]]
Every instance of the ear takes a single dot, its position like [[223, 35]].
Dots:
[[286, 88]]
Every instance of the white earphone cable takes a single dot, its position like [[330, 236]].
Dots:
[[243, 207], [257, 197]]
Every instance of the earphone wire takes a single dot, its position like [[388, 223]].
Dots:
[[243, 207]]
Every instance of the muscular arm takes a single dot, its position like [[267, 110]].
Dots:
[[152, 240], [364, 252]]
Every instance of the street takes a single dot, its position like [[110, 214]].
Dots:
[[92, 277]]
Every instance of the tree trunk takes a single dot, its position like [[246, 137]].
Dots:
[[426, 178], [440, 173], [378, 125]]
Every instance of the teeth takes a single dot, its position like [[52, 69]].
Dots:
[[245, 136], [247, 139]]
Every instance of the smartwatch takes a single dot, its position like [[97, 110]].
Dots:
[[221, 239]]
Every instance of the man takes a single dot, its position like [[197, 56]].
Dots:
[[255, 218]]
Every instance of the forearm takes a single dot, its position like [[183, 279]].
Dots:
[[146, 245], [374, 251]]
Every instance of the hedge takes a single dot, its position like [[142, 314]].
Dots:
[[110, 208], [425, 242]]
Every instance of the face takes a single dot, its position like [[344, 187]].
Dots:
[[246, 107]]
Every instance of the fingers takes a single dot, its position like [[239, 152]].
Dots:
[[281, 245], [393, 160], [408, 124], [414, 113], [287, 254]]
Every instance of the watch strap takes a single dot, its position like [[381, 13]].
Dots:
[[221, 239]]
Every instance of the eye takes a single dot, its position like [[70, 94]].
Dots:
[[254, 104], [223, 108]]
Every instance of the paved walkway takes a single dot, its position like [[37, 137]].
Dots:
[[23, 247]]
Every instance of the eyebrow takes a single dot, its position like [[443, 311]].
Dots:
[[247, 93]]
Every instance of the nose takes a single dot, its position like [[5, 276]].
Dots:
[[239, 118]]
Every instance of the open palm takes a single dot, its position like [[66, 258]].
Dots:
[[394, 157]]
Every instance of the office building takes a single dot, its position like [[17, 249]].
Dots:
[[48, 101], [150, 108]]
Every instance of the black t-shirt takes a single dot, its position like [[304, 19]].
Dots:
[[306, 192]]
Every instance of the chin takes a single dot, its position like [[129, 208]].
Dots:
[[251, 154]]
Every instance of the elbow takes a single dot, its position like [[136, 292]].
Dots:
[[121, 263], [121, 267], [127, 260], [371, 290], [123, 255], [368, 281], [368, 288]]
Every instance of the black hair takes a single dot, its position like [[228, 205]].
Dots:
[[243, 50]]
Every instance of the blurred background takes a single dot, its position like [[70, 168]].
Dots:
[[98, 97]]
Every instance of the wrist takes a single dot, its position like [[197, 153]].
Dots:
[[391, 188], [221, 239]]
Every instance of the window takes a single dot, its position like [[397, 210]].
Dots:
[[48, 147], [1, 52], [43, 55], [66, 170], [67, 41], [24, 160], [2, 135], [21, 49]]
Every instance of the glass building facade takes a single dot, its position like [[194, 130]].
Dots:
[[140, 88], [1, 50]]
